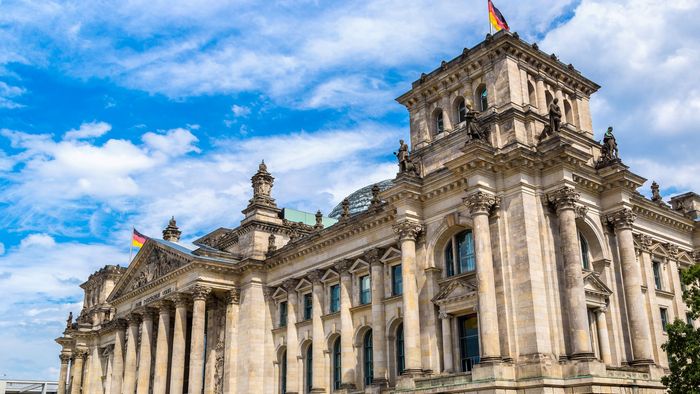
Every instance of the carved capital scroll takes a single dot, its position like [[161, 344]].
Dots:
[[372, 256], [481, 203], [200, 292], [564, 198], [290, 284], [644, 241], [622, 219], [233, 296], [315, 276], [408, 230]]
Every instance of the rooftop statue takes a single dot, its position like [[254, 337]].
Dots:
[[655, 195], [609, 153], [554, 121], [406, 165], [69, 321], [474, 130]]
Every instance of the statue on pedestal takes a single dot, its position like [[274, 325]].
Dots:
[[406, 165], [609, 153], [69, 321], [474, 130], [554, 121]]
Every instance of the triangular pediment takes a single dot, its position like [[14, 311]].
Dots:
[[279, 293], [593, 285], [391, 254], [303, 285], [458, 289], [329, 276], [359, 265], [153, 261]]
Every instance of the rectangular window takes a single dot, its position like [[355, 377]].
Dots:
[[468, 341], [664, 318], [396, 280], [283, 313], [657, 274], [465, 251], [308, 306], [335, 299], [365, 290]]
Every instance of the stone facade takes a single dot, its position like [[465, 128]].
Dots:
[[499, 260]]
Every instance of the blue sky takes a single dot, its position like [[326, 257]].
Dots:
[[120, 114]]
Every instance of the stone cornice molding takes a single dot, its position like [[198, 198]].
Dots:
[[407, 229], [621, 219], [564, 198], [481, 203], [200, 292]]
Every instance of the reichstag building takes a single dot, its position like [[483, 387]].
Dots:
[[512, 253]]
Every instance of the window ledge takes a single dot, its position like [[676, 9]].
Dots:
[[458, 276], [360, 307], [393, 298], [303, 323], [664, 293], [279, 330], [330, 316]]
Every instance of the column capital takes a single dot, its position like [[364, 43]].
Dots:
[[408, 229], [621, 219], [133, 319], [290, 285], [315, 276], [233, 296], [147, 313], [343, 266], [481, 203], [163, 305], [181, 299], [200, 292], [563, 198], [444, 315], [120, 323], [80, 353], [644, 241], [372, 257], [602, 309], [64, 358]]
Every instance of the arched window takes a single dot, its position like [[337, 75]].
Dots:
[[439, 122], [309, 368], [461, 109], [585, 256], [531, 94], [283, 373], [459, 254], [400, 355], [336, 365], [367, 356], [568, 112], [483, 96]]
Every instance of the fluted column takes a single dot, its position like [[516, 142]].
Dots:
[[347, 356], [565, 200], [199, 311], [160, 374], [177, 361], [318, 382], [78, 361], [118, 358], [541, 99], [603, 338], [233, 299], [129, 383], [292, 340], [632, 280], [448, 364], [143, 385], [63, 373], [379, 356], [480, 205], [408, 231]]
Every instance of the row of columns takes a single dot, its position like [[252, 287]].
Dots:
[[132, 369]]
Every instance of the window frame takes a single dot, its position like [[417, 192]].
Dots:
[[399, 344], [439, 121], [483, 96], [283, 315], [334, 298], [365, 294], [663, 311], [396, 286], [461, 109], [452, 259], [337, 365], [309, 368], [584, 246], [367, 358], [467, 362], [308, 308], [656, 270]]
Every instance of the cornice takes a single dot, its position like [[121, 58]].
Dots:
[[662, 215]]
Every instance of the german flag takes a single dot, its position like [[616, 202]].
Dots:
[[496, 18], [138, 239]]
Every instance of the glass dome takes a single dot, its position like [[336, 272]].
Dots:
[[360, 199]]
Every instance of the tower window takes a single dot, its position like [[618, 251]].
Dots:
[[483, 99], [400, 355], [468, 342], [585, 260], [459, 254], [336, 364], [439, 122], [283, 313], [664, 318], [309, 368], [283, 373], [461, 110]]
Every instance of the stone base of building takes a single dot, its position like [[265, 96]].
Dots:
[[589, 376]]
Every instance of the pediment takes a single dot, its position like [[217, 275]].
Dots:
[[279, 293], [359, 265], [593, 285], [391, 254], [330, 275], [303, 285], [455, 290], [153, 261]]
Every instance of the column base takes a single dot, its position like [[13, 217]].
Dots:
[[347, 386], [380, 382], [583, 356], [490, 359], [642, 361], [317, 390], [493, 370]]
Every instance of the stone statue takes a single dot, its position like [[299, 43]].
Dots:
[[655, 195], [406, 165], [609, 153], [474, 130], [554, 116], [346, 210], [69, 321]]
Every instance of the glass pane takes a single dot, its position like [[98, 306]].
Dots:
[[400, 360], [468, 341], [585, 262], [397, 280], [465, 249], [449, 259]]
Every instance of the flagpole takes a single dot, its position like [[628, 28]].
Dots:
[[488, 19], [131, 244]]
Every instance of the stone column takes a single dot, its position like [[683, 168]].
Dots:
[[603, 339], [233, 300], [160, 374], [143, 386], [199, 311], [480, 205], [347, 355], [379, 356], [129, 383], [541, 99], [77, 380], [292, 339], [565, 201], [318, 383], [63, 374], [177, 363], [632, 280], [118, 358], [408, 231], [448, 365]]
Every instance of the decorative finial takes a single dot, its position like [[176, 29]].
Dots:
[[346, 209], [262, 183], [271, 246], [319, 220], [69, 321], [172, 232], [375, 196]]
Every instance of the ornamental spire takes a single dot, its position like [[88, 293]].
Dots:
[[262, 183], [172, 232]]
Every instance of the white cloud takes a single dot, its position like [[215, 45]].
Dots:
[[240, 111], [176, 142], [40, 240], [88, 130], [8, 94], [2, 248]]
